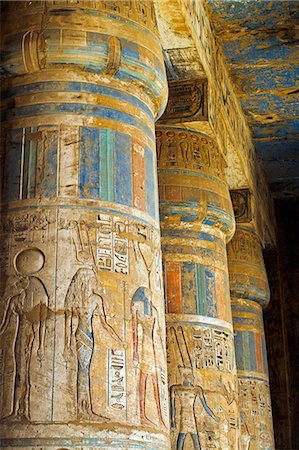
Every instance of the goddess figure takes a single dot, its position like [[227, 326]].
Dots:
[[143, 315], [82, 304]]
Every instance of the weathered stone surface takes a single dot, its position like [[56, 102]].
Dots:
[[82, 315]]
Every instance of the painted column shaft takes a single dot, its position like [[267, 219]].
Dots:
[[82, 317], [196, 221], [249, 294]]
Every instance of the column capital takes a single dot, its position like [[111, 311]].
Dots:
[[247, 273], [192, 186], [106, 40]]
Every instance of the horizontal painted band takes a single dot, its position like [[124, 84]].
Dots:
[[95, 20], [79, 108], [247, 316], [216, 246], [220, 219], [197, 320], [79, 75], [127, 71], [254, 267], [168, 234], [204, 258], [258, 316], [245, 306], [189, 250], [178, 207], [182, 173], [115, 209], [49, 98], [90, 49], [250, 294], [248, 327], [252, 375], [78, 87]]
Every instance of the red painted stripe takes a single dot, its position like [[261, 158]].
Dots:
[[139, 182], [174, 288], [258, 350]]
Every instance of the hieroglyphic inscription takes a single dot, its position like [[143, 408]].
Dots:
[[22, 227], [245, 247], [212, 349], [254, 397], [112, 248], [179, 149], [117, 379], [164, 393]]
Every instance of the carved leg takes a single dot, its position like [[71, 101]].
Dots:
[[196, 442], [28, 354], [181, 441], [83, 383], [142, 393], [20, 388], [157, 398]]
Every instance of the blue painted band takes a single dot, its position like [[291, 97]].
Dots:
[[252, 378], [188, 234], [78, 86], [190, 173], [81, 109]]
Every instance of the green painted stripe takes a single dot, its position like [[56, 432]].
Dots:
[[107, 172]]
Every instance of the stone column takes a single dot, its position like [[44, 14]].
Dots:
[[196, 222], [83, 358], [249, 295]]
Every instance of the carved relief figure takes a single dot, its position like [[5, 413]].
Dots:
[[187, 395], [230, 426], [245, 437], [29, 304], [82, 303], [145, 315]]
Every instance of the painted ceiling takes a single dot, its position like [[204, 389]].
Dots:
[[260, 43]]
